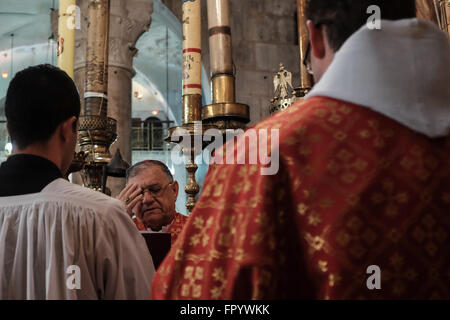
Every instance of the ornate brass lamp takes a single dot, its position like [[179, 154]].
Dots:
[[285, 95], [97, 132]]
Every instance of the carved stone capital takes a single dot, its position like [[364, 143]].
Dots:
[[129, 20]]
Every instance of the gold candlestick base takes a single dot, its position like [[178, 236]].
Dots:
[[226, 116], [194, 133]]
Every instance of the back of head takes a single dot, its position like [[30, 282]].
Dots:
[[38, 100], [342, 18]]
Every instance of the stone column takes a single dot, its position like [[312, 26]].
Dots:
[[128, 21]]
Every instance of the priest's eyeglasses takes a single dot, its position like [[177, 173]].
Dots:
[[307, 59], [156, 191]]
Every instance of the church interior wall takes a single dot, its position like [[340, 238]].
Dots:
[[264, 34]]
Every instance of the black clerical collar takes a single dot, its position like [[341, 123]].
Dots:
[[25, 174]]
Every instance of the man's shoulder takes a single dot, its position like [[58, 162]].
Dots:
[[178, 222], [180, 218], [309, 111], [82, 196], [316, 115]]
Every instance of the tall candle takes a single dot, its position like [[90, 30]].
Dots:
[[224, 112], [220, 37], [192, 47]]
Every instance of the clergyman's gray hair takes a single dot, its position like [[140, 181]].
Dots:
[[134, 170]]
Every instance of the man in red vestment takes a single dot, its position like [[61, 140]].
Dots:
[[359, 208], [150, 197]]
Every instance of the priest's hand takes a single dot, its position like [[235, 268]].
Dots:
[[130, 197]]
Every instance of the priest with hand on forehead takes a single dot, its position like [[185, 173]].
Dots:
[[150, 197]]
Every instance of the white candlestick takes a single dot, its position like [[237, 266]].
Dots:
[[192, 47], [220, 37]]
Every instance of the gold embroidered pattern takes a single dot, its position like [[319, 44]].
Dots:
[[202, 235], [316, 243], [192, 275], [334, 279], [391, 198], [347, 166], [219, 276], [429, 234], [378, 135], [323, 266], [230, 225], [399, 275]]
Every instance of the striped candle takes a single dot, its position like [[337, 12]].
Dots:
[[220, 37], [192, 47]]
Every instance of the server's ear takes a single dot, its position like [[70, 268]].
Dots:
[[317, 38], [68, 128]]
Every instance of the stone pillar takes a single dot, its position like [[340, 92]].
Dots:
[[128, 21]]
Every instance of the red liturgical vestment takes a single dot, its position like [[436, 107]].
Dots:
[[174, 229], [354, 189]]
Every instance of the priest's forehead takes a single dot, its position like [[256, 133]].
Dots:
[[150, 176], [139, 167]]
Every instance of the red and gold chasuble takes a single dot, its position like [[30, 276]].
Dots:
[[177, 226], [174, 229], [354, 189]]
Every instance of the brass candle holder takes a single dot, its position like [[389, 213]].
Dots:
[[224, 113], [95, 135], [193, 133]]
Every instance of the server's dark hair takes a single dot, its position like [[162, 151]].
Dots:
[[342, 18], [140, 166], [38, 100]]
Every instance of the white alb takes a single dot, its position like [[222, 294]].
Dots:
[[43, 234]]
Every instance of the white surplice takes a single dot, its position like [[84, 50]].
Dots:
[[43, 234]]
